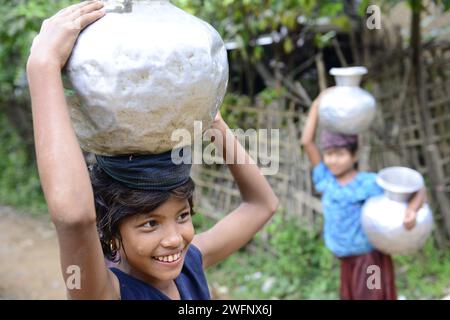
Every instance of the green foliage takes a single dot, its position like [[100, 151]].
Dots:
[[424, 275], [20, 21], [200, 221], [446, 4], [19, 181], [270, 95], [244, 20], [323, 40], [294, 265], [233, 116]]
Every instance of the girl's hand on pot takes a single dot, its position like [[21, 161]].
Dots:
[[410, 219], [56, 39]]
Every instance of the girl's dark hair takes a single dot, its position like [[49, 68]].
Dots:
[[114, 202], [352, 148]]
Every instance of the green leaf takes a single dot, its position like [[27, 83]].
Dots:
[[288, 46], [323, 40], [331, 9], [446, 4]]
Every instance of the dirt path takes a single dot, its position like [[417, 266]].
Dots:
[[29, 257]]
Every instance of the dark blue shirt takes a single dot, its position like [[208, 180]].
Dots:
[[191, 282]]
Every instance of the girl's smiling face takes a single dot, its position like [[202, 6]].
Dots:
[[154, 245], [339, 160]]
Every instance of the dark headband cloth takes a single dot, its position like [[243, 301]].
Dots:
[[146, 172], [330, 139]]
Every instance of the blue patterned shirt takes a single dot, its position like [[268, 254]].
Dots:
[[343, 231]]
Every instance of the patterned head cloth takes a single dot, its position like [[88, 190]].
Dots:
[[329, 139], [147, 172]]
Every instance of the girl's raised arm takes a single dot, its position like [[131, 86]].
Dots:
[[309, 134], [62, 169], [258, 205]]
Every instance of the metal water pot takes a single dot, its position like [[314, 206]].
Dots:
[[347, 108], [382, 216], [144, 70]]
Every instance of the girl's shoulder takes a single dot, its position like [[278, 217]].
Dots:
[[365, 179], [321, 177], [366, 176], [366, 185]]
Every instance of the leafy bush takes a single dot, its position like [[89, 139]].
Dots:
[[21, 21], [291, 264], [424, 275], [19, 181]]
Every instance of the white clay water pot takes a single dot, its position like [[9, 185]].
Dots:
[[347, 108], [144, 70], [382, 216]]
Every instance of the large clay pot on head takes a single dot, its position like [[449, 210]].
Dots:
[[347, 108], [142, 71], [382, 216]]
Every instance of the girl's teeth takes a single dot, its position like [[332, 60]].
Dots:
[[170, 258]]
